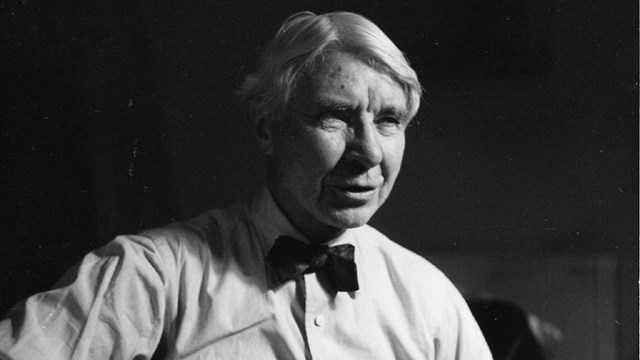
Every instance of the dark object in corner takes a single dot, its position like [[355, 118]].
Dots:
[[512, 333]]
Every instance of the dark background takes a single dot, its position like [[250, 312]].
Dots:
[[121, 115]]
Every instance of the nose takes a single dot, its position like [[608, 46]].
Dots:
[[363, 146]]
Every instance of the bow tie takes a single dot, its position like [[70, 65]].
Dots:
[[290, 258]]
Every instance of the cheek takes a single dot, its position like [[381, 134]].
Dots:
[[319, 150], [393, 153]]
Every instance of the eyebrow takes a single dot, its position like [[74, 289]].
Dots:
[[392, 110], [333, 106], [336, 106]]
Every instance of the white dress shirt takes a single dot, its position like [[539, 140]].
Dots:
[[200, 290]]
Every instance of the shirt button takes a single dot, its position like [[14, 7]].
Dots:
[[319, 321]]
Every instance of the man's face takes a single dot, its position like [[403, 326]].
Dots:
[[338, 148]]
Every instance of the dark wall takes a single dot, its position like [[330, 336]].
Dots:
[[118, 116]]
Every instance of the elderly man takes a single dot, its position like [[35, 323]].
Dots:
[[296, 273]]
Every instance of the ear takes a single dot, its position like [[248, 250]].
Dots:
[[263, 130]]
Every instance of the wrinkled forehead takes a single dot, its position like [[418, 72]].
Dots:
[[336, 67], [327, 63], [337, 71], [339, 76]]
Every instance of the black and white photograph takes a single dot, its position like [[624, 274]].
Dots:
[[436, 180]]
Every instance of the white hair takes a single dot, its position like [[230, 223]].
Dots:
[[302, 42]]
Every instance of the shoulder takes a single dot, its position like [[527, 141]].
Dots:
[[189, 255], [422, 283], [378, 247], [212, 245], [196, 237], [429, 300]]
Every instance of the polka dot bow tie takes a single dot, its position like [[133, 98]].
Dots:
[[291, 258]]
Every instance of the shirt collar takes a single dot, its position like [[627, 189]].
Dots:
[[270, 222]]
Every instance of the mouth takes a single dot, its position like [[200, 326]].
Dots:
[[354, 193], [356, 189]]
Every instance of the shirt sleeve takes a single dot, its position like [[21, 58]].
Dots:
[[111, 306]]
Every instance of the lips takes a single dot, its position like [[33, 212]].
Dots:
[[352, 194], [355, 188], [356, 184], [361, 183]]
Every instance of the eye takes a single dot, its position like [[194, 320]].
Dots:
[[389, 125], [334, 117], [339, 115], [388, 121]]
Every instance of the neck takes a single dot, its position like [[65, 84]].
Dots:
[[323, 235], [315, 231]]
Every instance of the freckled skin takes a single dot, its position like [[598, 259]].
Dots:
[[329, 173]]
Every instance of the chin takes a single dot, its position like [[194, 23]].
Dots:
[[350, 218]]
